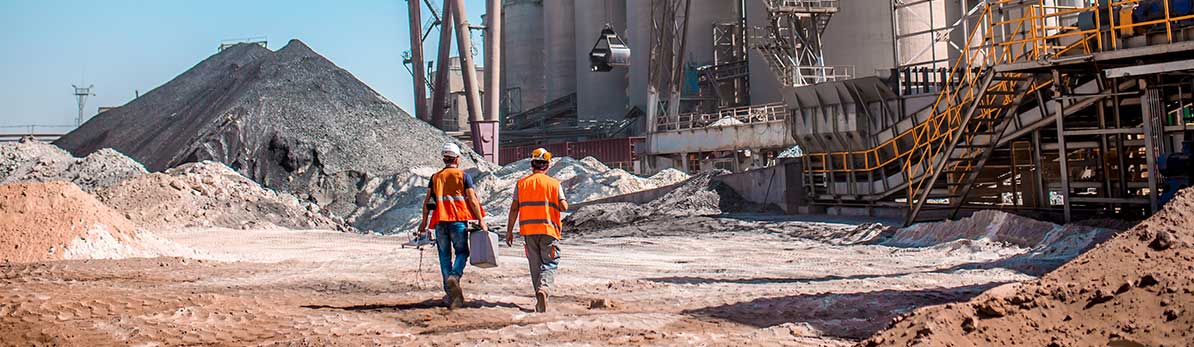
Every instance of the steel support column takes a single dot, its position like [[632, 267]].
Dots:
[[485, 130], [439, 98], [416, 59], [1062, 159], [1152, 107], [468, 70]]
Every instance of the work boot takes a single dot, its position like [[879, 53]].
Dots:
[[541, 301], [455, 292]]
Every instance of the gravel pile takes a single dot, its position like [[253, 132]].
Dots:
[[56, 220], [1132, 290], [582, 180], [42, 162], [698, 196], [209, 194], [290, 120]]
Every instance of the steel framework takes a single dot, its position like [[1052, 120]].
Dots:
[[1033, 120]]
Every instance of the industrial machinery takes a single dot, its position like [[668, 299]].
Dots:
[[1042, 112], [610, 51]]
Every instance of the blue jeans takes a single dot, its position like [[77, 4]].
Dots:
[[449, 237]]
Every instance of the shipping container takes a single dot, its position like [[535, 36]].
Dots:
[[616, 153]]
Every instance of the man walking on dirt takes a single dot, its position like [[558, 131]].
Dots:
[[455, 203], [538, 202]]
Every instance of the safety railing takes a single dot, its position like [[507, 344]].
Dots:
[[803, 5], [1007, 31], [806, 75], [1049, 27], [776, 112], [928, 138], [1033, 36]]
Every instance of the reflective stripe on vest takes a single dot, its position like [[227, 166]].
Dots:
[[449, 198], [541, 203], [526, 222]]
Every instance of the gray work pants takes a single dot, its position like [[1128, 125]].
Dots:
[[543, 254]]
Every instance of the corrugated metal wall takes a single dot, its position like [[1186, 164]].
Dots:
[[613, 152]]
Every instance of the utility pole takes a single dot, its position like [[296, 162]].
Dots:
[[444, 65], [81, 94], [416, 59], [485, 131]]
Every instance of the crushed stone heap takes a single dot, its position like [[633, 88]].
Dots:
[[582, 180], [56, 220], [288, 119], [210, 194], [689, 200], [42, 162], [1132, 290]]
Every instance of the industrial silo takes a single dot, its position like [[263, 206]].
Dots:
[[559, 47], [638, 37], [522, 50], [600, 95], [859, 35]]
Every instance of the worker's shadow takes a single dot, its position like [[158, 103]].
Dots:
[[427, 304]]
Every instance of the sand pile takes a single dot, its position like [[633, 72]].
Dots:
[[990, 225], [41, 162], [1133, 290], [582, 180], [288, 119], [57, 220], [210, 194]]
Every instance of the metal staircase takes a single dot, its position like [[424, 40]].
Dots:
[[952, 168]]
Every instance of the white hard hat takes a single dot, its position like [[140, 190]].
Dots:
[[451, 150]]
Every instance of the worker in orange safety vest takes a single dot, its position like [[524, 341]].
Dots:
[[454, 202], [538, 203]]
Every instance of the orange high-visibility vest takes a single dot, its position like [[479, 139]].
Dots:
[[539, 205], [451, 203]]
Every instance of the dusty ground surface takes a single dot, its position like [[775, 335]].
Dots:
[[282, 287]]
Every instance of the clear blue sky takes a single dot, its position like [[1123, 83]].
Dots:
[[125, 45]]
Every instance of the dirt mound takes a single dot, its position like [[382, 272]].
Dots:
[[1133, 290], [990, 225], [57, 220], [288, 119], [210, 194], [582, 180], [41, 162]]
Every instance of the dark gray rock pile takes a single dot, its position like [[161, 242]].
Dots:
[[288, 119]]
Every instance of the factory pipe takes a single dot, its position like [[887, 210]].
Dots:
[[443, 67], [485, 131], [416, 60], [464, 46]]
